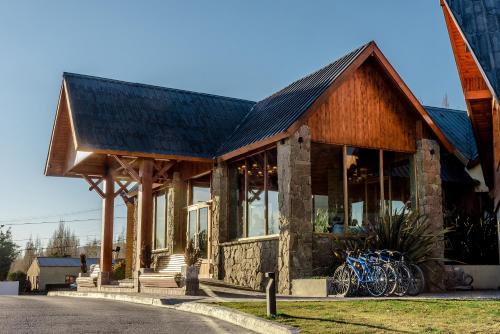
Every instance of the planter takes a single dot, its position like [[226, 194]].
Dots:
[[191, 273], [310, 287]]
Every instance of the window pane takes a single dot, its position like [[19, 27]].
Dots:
[[397, 189], [256, 196], [237, 199], [327, 188], [201, 194], [363, 187], [273, 213], [193, 215], [203, 234], [160, 221]]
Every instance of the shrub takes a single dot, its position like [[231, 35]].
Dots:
[[472, 240], [191, 254], [19, 276], [118, 271]]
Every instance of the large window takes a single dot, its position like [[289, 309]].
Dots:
[[254, 195], [353, 187], [160, 220]]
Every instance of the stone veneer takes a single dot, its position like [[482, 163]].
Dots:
[[219, 215], [244, 262], [176, 214], [295, 205], [429, 193], [322, 252]]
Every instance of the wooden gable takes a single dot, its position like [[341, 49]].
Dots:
[[366, 110]]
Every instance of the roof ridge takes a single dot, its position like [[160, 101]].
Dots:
[[357, 51], [138, 84], [458, 111]]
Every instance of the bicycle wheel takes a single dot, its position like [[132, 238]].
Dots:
[[392, 279], [417, 282], [334, 283], [378, 282], [342, 280], [404, 279]]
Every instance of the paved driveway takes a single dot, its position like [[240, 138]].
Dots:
[[41, 314]]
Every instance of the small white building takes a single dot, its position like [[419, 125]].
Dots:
[[55, 270]]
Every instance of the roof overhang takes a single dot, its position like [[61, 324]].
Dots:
[[371, 50]]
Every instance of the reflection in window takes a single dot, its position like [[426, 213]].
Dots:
[[203, 232], [397, 189], [327, 188], [201, 194], [193, 217], [160, 210], [254, 195], [363, 186]]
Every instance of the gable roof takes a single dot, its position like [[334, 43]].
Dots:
[[276, 113], [457, 127], [479, 22], [63, 261], [112, 115], [279, 114]]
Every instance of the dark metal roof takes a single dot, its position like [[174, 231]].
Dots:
[[63, 261], [279, 111], [457, 127], [122, 116], [479, 21]]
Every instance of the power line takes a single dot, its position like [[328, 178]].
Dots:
[[71, 213], [57, 222]]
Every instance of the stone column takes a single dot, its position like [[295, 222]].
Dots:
[[129, 254], [176, 214], [429, 192], [219, 215], [295, 204], [107, 229]]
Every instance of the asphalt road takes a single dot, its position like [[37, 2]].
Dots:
[[42, 314]]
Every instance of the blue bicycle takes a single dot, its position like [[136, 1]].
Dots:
[[360, 271]]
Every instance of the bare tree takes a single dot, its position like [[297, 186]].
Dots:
[[92, 249], [63, 243]]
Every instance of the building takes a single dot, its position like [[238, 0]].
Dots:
[[54, 270], [474, 30], [245, 180]]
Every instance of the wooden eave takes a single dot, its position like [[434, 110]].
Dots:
[[371, 51], [68, 158], [478, 92]]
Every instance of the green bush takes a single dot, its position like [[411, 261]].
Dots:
[[19, 276], [118, 271]]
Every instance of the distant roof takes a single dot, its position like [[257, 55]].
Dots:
[[278, 112], [457, 127], [123, 116], [63, 261], [479, 21]]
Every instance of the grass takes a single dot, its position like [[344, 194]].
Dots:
[[383, 316]]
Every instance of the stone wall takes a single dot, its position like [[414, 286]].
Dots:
[[219, 214], [244, 262], [429, 196], [322, 253], [295, 205], [176, 214]]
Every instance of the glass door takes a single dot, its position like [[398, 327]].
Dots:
[[199, 221]]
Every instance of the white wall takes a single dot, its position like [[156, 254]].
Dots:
[[9, 288]]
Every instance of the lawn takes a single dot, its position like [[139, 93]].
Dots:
[[384, 316]]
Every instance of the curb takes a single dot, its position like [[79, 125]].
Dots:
[[235, 317]]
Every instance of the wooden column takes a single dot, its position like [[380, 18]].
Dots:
[[107, 227], [145, 214]]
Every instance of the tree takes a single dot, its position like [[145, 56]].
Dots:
[[63, 243], [31, 251], [92, 249], [8, 252]]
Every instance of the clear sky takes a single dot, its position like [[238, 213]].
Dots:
[[246, 49]]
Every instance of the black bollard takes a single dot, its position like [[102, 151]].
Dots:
[[271, 295]]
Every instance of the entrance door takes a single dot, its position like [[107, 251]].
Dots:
[[199, 223]]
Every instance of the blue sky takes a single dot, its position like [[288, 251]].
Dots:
[[241, 49]]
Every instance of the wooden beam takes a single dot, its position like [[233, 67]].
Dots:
[[94, 185], [483, 94], [107, 227], [130, 170], [122, 187], [161, 171], [145, 214]]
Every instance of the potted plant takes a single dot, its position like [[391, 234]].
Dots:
[[191, 270]]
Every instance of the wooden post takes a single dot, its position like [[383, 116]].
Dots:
[[381, 174], [344, 182], [145, 214], [107, 228]]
